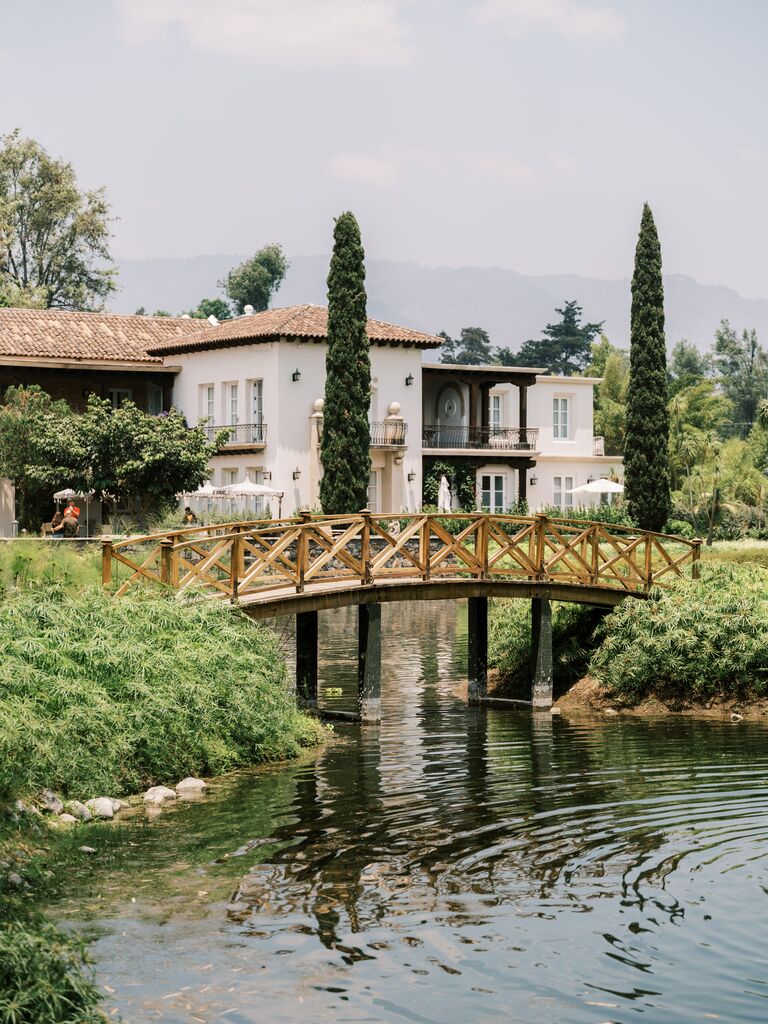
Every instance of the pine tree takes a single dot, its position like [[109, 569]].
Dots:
[[646, 456], [345, 446]]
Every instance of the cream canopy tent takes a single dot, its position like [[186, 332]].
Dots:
[[444, 496], [248, 489]]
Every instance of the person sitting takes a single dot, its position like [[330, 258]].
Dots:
[[69, 524], [56, 528], [190, 519]]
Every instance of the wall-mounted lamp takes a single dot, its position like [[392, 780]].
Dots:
[[296, 473], [411, 477], [534, 480], [409, 380], [296, 375], [267, 474]]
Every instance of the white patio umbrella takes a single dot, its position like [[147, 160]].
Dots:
[[247, 488], [600, 486], [444, 496], [68, 494]]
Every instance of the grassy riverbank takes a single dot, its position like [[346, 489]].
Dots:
[[110, 696], [696, 643]]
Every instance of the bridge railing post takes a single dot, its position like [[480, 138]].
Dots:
[[169, 561], [365, 547], [424, 551], [481, 542], [696, 558], [648, 567], [106, 562], [541, 544], [302, 548], [594, 537], [236, 565]]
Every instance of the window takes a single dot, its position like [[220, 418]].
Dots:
[[256, 503], [561, 498], [119, 395], [154, 399], [207, 403], [492, 492], [495, 412], [231, 409], [373, 492], [228, 476], [560, 409], [257, 401]]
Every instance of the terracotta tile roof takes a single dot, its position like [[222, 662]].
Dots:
[[103, 337], [309, 322]]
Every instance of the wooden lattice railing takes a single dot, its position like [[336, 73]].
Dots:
[[254, 558]]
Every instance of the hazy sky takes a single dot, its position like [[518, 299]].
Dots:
[[516, 133]]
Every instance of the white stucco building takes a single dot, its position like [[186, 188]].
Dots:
[[523, 433]]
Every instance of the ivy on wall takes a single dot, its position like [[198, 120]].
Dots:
[[460, 477]]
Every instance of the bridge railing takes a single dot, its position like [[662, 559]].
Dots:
[[246, 559]]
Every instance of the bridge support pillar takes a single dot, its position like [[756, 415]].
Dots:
[[477, 649], [369, 662], [306, 659], [541, 653]]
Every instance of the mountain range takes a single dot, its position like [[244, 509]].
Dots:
[[509, 305]]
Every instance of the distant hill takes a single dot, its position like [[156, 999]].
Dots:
[[510, 306]]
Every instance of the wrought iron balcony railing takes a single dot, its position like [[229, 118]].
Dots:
[[502, 438], [388, 433], [241, 433]]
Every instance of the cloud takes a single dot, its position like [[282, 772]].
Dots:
[[503, 166], [309, 33], [564, 17], [369, 170]]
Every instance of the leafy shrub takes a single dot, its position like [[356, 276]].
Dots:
[[615, 514], [680, 528], [697, 640], [105, 694]]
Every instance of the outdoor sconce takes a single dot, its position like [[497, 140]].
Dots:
[[409, 380], [296, 473], [296, 375], [411, 477], [534, 480], [267, 474]]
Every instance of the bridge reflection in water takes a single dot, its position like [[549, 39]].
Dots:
[[302, 565]]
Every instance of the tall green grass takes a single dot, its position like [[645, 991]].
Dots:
[[697, 640], [25, 563], [105, 695]]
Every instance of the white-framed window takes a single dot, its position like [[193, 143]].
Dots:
[[561, 498], [561, 408], [228, 476], [154, 399], [257, 401], [231, 409], [255, 475], [492, 492], [494, 412], [373, 491], [208, 403], [119, 395]]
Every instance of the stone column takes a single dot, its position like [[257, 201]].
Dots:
[[306, 659], [369, 662], [315, 467], [477, 649], [541, 653]]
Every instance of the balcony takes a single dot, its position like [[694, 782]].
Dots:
[[242, 436], [505, 439], [385, 434]]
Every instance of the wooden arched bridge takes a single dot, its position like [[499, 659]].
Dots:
[[301, 565]]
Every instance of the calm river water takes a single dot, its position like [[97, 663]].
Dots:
[[451, 865]]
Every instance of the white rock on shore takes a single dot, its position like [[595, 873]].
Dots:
[[159, 795], [50, 802], [191, 787], [79, 810], [68, 819], [100, 807]]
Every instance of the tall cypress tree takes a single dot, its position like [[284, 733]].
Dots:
[[646, 458], [345, 445]]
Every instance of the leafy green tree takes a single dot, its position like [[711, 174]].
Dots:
[[741, 365], [472, 348], [38, 446], [565, 348], [687, 366], [610, 416], [345, 445], [211, 307], [53, 236], [646, 448], [256, 280], [131, 458], [698, 414]]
